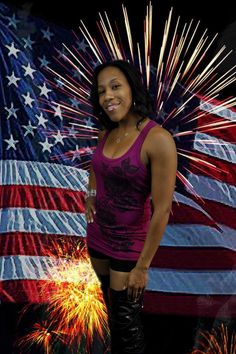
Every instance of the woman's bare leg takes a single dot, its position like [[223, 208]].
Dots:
[[118, 280]]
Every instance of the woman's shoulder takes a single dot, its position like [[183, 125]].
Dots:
[[158, 138], [158, 131]]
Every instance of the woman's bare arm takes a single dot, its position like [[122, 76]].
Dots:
[[163, 156]]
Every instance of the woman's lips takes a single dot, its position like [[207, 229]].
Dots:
[[112, 107]]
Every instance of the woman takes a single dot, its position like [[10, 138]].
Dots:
[[131, 185]]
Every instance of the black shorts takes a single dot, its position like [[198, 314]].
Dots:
[[115, 264]]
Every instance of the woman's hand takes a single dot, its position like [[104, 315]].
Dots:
[[90, 209], [136, 283]]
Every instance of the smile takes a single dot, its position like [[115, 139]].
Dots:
[[112, 108]]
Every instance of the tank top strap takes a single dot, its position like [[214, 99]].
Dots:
[[144, 133]]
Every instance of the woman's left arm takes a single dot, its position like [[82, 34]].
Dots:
[[163, 159]]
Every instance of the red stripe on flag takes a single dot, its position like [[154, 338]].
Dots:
[[37, 244], [44, 198], [155, 303], [223, 306], [183, 214], [194, 258], [33, 244], [26, 291], [223, 171], [227, 134]]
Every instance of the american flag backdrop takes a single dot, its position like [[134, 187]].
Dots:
[[42, 190], [44, 177], [193, 272]]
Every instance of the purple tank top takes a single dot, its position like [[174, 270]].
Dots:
[[123, 206]]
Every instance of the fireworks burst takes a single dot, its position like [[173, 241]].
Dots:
[[218, 341], [42, 336], [75, 309], [77, 301], [180, 71]]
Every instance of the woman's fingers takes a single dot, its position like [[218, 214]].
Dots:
[[89, 214], [138, 293], [93, 210], [135, 293]]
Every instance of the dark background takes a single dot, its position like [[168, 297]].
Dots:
[[218, 17], [166, 334], [214, 15]]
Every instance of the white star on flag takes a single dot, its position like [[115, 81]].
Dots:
[[41, 120], [12, 79], [12, 50], [44, 90], [11, 142], [11, 111], [29, 71], [28, 99], [46, 145]]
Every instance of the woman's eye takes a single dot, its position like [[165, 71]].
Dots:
[[100, 93], [114, 87]]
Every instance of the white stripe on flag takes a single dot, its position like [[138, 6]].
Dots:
[[211, 189], [215, 147], [192, 282], [33, 173], [172, 281], [180, 198], [218, 110], [42, 221], [187, 235]]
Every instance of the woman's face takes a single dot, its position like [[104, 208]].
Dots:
[[114, 92]]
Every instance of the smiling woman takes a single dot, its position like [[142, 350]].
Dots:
[[130, 156], [134, 161], [114, 92], [124, 82]]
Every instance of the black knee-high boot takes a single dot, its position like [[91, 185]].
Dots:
[[126, 326]]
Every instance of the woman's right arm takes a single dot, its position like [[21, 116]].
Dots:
[[90, 200]]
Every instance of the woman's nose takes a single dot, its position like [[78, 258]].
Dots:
[[108, 94]]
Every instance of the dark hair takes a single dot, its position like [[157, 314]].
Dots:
[[142, 100]]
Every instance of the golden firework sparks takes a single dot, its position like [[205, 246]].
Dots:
[[42, 335], [181, 67], [75, 309], [218, 341]]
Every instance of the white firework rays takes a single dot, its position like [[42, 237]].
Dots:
[[179, 58], [180, 62]]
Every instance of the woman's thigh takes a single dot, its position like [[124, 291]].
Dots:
[[100, 262], [118, 280], [119, 272], [100, 266]]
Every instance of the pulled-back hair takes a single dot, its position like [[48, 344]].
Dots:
[[142, 101]]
